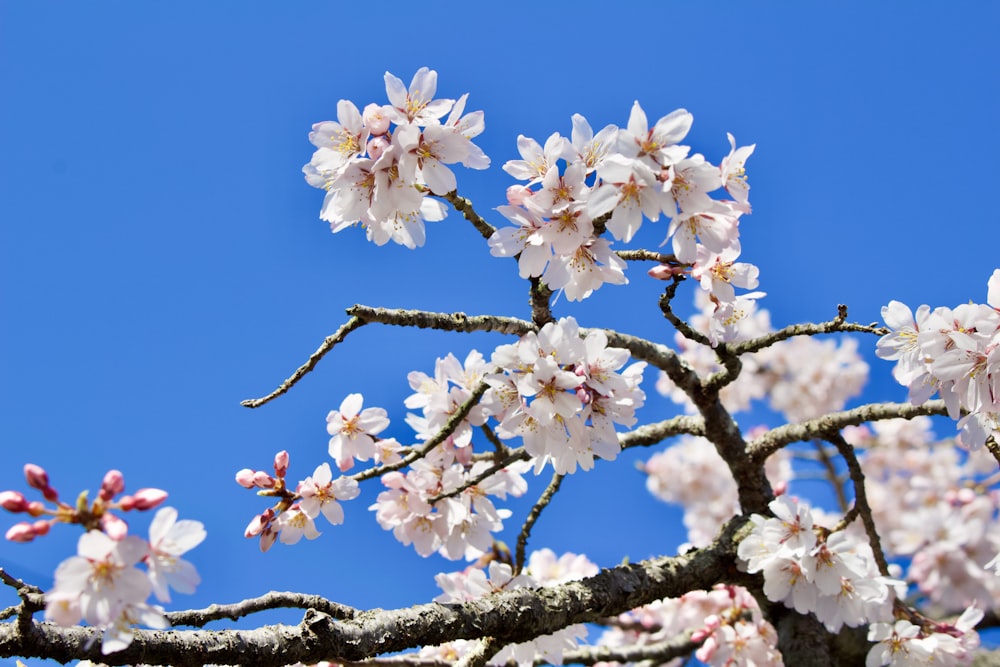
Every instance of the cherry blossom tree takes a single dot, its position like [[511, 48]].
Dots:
[[900, 569]]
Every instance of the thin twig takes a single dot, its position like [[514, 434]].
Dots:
[[273, 600], [838, 323], [446, 430], [464, 206], [860, 497], [654, 654], [518, 455], [536, 511], [646, 255], [328, 343], [831, 474], [668, 295], [762, 447]]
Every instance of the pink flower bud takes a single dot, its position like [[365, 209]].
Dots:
[[259, 523], [37, 477], [376, 147], [114, 527], [21, 532], [262, 480], [36, 508], [281, 463], [665, 272], [143, 499], [41, 527], [375, 119], [13, 501], [245, 478], [113, 484]]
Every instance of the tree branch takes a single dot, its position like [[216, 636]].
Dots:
[[464, 206], [273, 600], [838, 323], [510, 616], [328, 343], [762, 447]]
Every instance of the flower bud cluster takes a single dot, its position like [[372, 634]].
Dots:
[[102, 584], [92, 516], [292, 517], [378, 167]]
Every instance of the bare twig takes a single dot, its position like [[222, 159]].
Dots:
[[273, 600], [823, 456], [651, 434], [655, 653], [536, 511], [762, 447], [860, 497], [646, 255], [328, 343], [838, 323], [517, 455], [423, 319], [668, 295], [446, 430], [464, 206]]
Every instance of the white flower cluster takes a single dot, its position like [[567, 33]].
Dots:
[[833, 575], [560, 393], [926, 510], [954, 352], [727, 620], [378, 167], [543, 569], [563, 394], [102, 585], [622, 175]]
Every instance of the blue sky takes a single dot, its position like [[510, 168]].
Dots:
[[162, 258]]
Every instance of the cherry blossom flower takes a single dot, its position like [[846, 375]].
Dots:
[[321, 492], [416, 104], [168, 539], [352, 430]]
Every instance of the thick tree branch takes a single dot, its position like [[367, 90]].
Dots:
[[509, 616]]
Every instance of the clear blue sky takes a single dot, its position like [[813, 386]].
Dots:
[[162, 258]]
